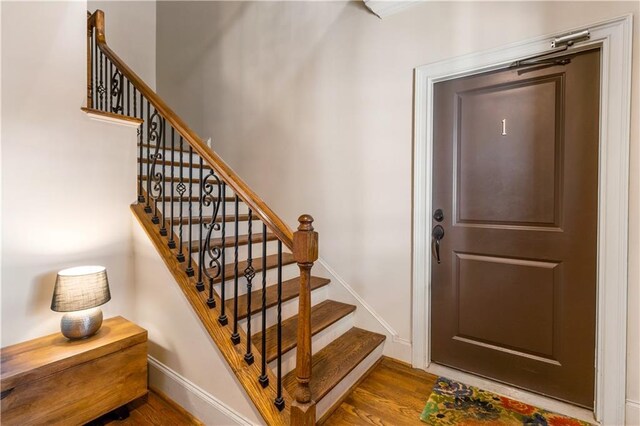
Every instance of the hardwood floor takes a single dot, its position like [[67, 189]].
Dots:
[[392, 394], [154, 409]]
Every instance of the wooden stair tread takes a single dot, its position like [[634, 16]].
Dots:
[[230, 241], [175, 179], [290, 290], [230, 272], [174, 163], [168, 148], [228, 219], [336, 360], [322, 316], [194, 199]]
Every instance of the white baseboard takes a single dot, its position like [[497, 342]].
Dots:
[[632, 417], [200, 403]]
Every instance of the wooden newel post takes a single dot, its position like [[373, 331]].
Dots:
[[305, 252]]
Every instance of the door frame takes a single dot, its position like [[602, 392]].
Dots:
[[614, 36]]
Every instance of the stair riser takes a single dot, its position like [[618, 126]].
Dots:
[[318, 342], [176, 169]]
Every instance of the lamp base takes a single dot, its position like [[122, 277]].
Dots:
[[81, 324]]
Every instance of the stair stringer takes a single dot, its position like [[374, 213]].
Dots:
[[179, 342], [221, 335]]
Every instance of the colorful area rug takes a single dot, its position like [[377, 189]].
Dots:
[[452, 403]]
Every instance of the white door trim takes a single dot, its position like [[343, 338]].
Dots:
[[614, 36]]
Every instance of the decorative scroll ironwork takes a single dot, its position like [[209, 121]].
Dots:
[[116, 91], [155, 182], [249, 274], [181, 188], [212, 196], [101, 89]]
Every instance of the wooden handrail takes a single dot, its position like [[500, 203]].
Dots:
[[242, 190]]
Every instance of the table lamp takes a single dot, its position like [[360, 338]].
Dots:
[[78, 292]]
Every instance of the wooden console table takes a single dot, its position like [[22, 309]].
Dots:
[[52, 380]]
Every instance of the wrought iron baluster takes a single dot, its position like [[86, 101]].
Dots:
[[90, 68], [171, 243], [115, 90], [121, 102], [189, 269], [94, 70], [235, 337], [210, 184], [140, 147], [279, 402], [128, 98], [147, 208], [108, 81], [222, 319], [264, 379], [249, 274], [163, 230], [181, 189], [101, 89], [155, 133], [201, 253]]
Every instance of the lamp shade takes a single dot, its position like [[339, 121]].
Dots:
[[79, 288]]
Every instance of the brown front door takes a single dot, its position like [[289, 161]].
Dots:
[[515, 162]]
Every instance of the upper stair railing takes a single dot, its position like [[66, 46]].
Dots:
[[176, 168]]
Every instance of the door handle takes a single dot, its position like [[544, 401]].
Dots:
[[437, 234]]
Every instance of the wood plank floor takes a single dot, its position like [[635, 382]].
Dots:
[[154, 409], [392, 394]]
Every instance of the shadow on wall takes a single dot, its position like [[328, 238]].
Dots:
[[41, 295]]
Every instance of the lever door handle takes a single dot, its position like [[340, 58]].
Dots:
[[437, 234]]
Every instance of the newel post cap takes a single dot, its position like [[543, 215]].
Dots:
[[306, 222], [305, 241]]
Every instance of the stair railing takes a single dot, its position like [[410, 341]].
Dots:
[[164, 141]]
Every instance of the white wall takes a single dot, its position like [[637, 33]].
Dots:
[[66, 180], [311, 103]]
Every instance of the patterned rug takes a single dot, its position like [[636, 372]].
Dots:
[[452, 403]]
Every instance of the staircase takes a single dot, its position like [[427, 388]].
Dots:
[[246, 274]]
